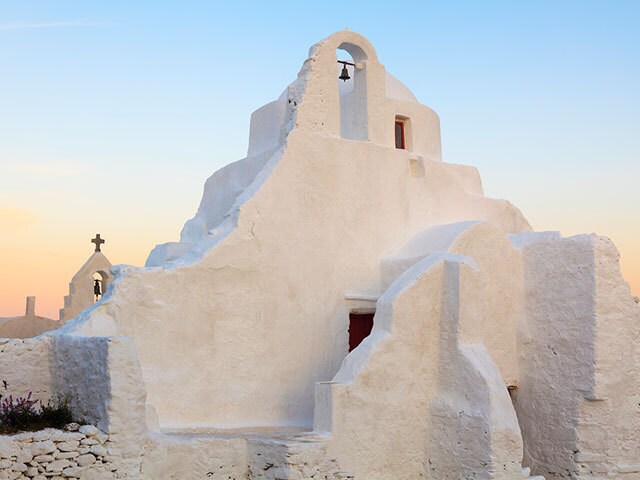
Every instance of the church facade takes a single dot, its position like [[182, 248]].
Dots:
[[345, 304]]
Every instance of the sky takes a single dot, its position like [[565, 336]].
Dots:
[[112, 114]]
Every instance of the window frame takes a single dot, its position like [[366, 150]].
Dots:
[[403, 133]]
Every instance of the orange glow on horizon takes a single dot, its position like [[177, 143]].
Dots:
[[46, 274]]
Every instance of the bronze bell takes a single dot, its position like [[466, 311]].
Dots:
[[344, 75]]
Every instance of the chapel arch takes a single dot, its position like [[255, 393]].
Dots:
[[103, 279], [354, 120]]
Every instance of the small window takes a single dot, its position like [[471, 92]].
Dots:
[[400, 135], [360, 326]]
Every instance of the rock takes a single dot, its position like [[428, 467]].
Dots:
[[42, 435], [32, 472], [8, 449], [24, 437], [68, 446], [102, 438], [83, 450], [86, 459], [40, 477], [72, 427], [89, 430], [66, 455], [89, 441], [75, 472], [42, 448], [116, 452], [98, 450], [43, 458], [58, 465], [5, 464], [60, 436], [19, 467], [24, 455]]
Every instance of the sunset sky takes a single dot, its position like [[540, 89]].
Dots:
[[112, 114]]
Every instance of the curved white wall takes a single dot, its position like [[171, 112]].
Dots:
[[236, 326]]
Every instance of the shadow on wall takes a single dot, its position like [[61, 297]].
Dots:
[[79, 374]]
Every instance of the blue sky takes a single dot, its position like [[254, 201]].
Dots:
[[112, 114]]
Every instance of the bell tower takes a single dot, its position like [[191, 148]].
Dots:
[[89, 284]]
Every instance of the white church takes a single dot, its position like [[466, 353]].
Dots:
[[346, 305]]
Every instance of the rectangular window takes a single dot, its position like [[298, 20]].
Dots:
[[360, 326], [400, 140]]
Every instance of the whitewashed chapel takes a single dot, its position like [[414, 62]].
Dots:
[[344, 304]]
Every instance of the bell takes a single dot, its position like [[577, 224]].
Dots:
[[344, 75]]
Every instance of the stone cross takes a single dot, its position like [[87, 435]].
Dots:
[[98, 241]]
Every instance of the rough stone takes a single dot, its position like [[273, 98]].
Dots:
[[66, 455], [73, 472], [102, 438], [24, 455], [41, 436], [57, 465], [42, 448], [68, 446], [89, 430], [60, 436], [86, 459], [98, 450], [43, 458], [7, 448]]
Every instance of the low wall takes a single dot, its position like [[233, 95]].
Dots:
[[25, 366], [239, 457], [56, 453], [99, 377]]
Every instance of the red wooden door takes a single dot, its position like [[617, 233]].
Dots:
[[360, 325]]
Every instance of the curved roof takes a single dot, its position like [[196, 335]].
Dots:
[[397, 90]]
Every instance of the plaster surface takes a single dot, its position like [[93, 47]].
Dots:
[[287, 223]]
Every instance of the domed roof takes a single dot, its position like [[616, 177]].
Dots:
[[394, 88], [397, 90]]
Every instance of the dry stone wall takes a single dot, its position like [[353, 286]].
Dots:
[[57, 455], [197, 457]]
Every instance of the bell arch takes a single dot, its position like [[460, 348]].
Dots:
[[314, 102], [354, 115], [103, 279]]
